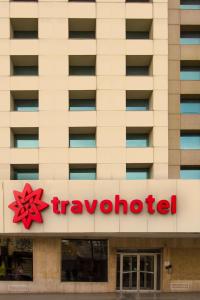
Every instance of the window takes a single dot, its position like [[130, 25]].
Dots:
[[138, 100], [24, 101], [138, 1], [16, 259], [82, 141], [82, 28], [190, 70], [190, 172], [82, 65], [24, 28], [137, 140], [190, 35], [133, 173], [24, 65], [84, 261], [190, 106], [27, 172], [137, 104], [190, 4], [26, 141], [190, 140], [82, 100], [81, 1], [26, 105], [138, 29], [82, 172], [137, 65]]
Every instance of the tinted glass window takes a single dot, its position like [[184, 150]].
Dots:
[[190, 141], [137, 140], [190, 73], [190, 173], [26, 174], [137, 104], [25, 105], [25, 35], [82, 70], [16, 259], [26, 141], [189, 106], [137, 71], [82, 104], [82, 174], [82, 141], [84, 260], [25, 71], [137, 174]]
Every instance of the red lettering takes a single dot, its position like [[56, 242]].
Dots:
[[106, 206], [150, 201], [120, 202], [64, 207], [163, 207], [136, 206], [91, 208], [56, 202], [173, 204], [77, 207]]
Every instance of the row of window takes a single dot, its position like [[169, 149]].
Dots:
[[188, 140], [85, 65], [25, 101], [81, 260], [89, 172], [86, 29], [184, 4]]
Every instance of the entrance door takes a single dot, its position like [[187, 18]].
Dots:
[[137, 272]]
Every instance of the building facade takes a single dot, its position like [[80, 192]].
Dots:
[[100, 146]]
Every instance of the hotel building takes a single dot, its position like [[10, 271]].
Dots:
[[99, 146]]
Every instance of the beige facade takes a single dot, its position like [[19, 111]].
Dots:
[[112, 60]]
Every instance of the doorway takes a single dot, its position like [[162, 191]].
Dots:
[[138, 271]]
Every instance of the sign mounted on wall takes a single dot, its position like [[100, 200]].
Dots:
[[28, 206]]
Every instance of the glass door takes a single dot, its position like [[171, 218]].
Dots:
[[129, 272], [137, 272], [147, 272]]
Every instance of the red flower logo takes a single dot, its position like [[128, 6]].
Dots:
[[28, 206]]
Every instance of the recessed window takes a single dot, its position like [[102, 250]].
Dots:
[[81, 1], [138, 29], [138, 100], [84, 260], [82, 172], [190, 70], [137, 65], [190, 172], [24, 101], [139, 1], [190, 140], [24, 28], [82, 28], [190, 35], [137, 172], [190, 4], [26, 141], [24, 65], [25, 172], [82, 100], [16, 259], [137, 140], [82, 65], [190, 105], [82, 140]]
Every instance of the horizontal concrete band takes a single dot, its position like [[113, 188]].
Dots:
[[184, 219]]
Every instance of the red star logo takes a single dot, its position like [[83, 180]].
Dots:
[[28, 206]]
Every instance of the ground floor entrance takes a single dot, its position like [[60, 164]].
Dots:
[[138, 271]]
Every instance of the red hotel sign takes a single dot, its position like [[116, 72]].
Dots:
[[28, 206]]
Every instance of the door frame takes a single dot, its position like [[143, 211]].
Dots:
[[138, 255]]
